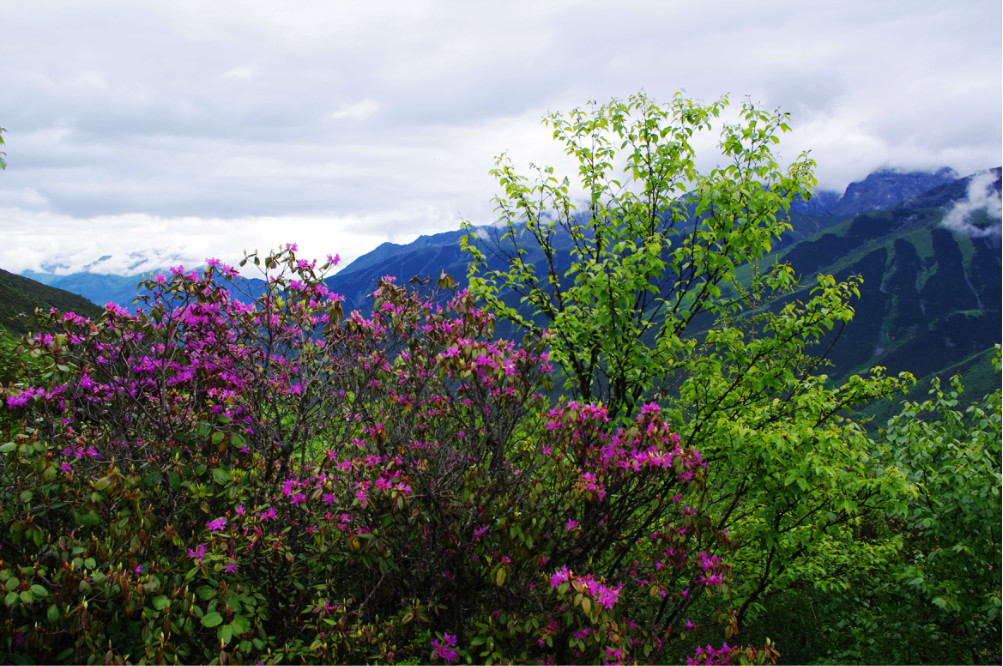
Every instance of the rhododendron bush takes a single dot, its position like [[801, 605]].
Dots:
[[277, 481]]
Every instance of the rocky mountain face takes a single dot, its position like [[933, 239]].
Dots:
[[882, 189]]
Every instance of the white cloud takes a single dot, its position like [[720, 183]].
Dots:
[[37, 240], [388, 115], [982, 196], [363, 109], [239, 73]]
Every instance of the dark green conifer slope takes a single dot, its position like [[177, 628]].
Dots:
[[20, 296]]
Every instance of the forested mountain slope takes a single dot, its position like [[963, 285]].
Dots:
[[930, 297], [19, 296]]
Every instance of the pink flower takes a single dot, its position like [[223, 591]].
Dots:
[[216, 525], [650, 408], [444, 650], [560, 576], [362, 493], [197, 554], [607, 596], [17, 400]]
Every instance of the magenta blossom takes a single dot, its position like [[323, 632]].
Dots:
[[445, 650]]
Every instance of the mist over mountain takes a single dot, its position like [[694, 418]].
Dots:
[[96, 287], [927, 245], [930, 298], [887, 187], [884, 188]]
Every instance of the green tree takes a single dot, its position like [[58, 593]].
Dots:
[[932, 594], [654, 288], [621, 279], [3, 163], [938, 599]]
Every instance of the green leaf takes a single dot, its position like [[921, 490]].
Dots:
[[90, 519], [212, 619], [225, 633], [160, 602], [241, 625]]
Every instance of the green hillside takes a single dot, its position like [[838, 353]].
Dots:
[[19, 297], [930, 298]]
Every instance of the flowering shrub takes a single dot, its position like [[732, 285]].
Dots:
[[278, 481]]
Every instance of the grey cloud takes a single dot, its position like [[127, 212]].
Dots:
[[362, 112]]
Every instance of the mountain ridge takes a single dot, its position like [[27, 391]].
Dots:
[[917, 274]]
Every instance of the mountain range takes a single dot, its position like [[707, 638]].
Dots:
[[927, 245]]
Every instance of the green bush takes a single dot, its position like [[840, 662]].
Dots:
[[206, 481]]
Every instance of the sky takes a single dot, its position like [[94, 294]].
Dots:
[[163, 132]]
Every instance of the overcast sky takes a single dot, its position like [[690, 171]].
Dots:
[[181, 129]]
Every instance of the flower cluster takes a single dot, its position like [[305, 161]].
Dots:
[[731, 654], [604, 595], [445, 649], [345, 479]]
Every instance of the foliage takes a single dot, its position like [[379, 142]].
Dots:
[[639, 290], [207, 480], [651, 249], [799, 475], [10, 362], [3, 163], [19, 298], [938, 599]]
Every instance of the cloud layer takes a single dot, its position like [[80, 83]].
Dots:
[[193, 127], [980, 215]]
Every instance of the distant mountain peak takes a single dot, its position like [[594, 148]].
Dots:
[[886, 188]]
